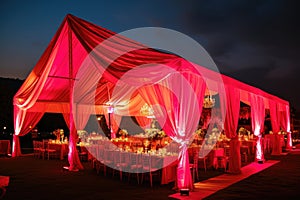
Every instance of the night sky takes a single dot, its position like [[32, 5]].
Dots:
[[256, 42]]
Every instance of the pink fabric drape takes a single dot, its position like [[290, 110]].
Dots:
[[257, 122], [24, 121], [114, 121], [143, 121], [73, 156], [274, 115], [27, 96], [230, 107], [81, 115], [285, 124], [177, 106]]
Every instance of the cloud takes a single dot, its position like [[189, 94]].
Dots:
[[280, 72], [245, 33]]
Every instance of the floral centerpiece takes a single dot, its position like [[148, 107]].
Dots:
[[82, 135], [200, 133], [154, 134], [161, 134], [243, 131], [281, 132], [123, 133]]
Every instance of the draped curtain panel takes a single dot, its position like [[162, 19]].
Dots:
[[177, 106], [113, 122], [24, 122], [73, 157], [285, 124], [275, 123], [274, 116], [230, 107], [143, 121], [257, 121]]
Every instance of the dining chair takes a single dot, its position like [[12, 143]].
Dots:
[[36, 149], [135, 166], [98, 160], [149, 168], [50, 152], [122, 162], [108, 159], [220, 159], [244, 153], [194, 163], [83, 154], [202, 158], [41, 148], [227, 156]]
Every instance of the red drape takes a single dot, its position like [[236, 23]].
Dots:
[[285, 124], [143, 121], [257, 122], [113, 122], [24, 122], [73, 157], [177, 107], [274, 116], [230, 107]]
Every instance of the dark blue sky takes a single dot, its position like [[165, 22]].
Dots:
[[256, 42]]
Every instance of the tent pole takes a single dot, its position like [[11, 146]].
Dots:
[[73, 157]]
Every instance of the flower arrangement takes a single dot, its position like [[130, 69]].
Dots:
[[152, 134], [243, 131], [281, 132], [200, 133], [161, 134], [123, 133], [155, 134], [209, 102], [215, 130]]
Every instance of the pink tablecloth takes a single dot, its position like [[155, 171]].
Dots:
[[62, 149], [168, 164], [169, 170]]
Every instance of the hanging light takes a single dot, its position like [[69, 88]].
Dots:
[[110, 109], [147, 110], [209, 102]]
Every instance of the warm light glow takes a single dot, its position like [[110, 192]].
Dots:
[[20, 100], [110, 109], [147, 111], [209, 102], [259, 153], [4, 127]]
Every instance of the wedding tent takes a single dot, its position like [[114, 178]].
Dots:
[[87, 69]]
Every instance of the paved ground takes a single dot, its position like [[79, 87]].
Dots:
[[32, 178]]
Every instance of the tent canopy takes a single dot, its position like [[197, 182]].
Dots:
[[49, 82], [87, 68]]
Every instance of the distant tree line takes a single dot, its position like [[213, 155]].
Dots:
[[8, 88]]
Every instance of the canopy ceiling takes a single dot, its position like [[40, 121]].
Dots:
[[48, 85]]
